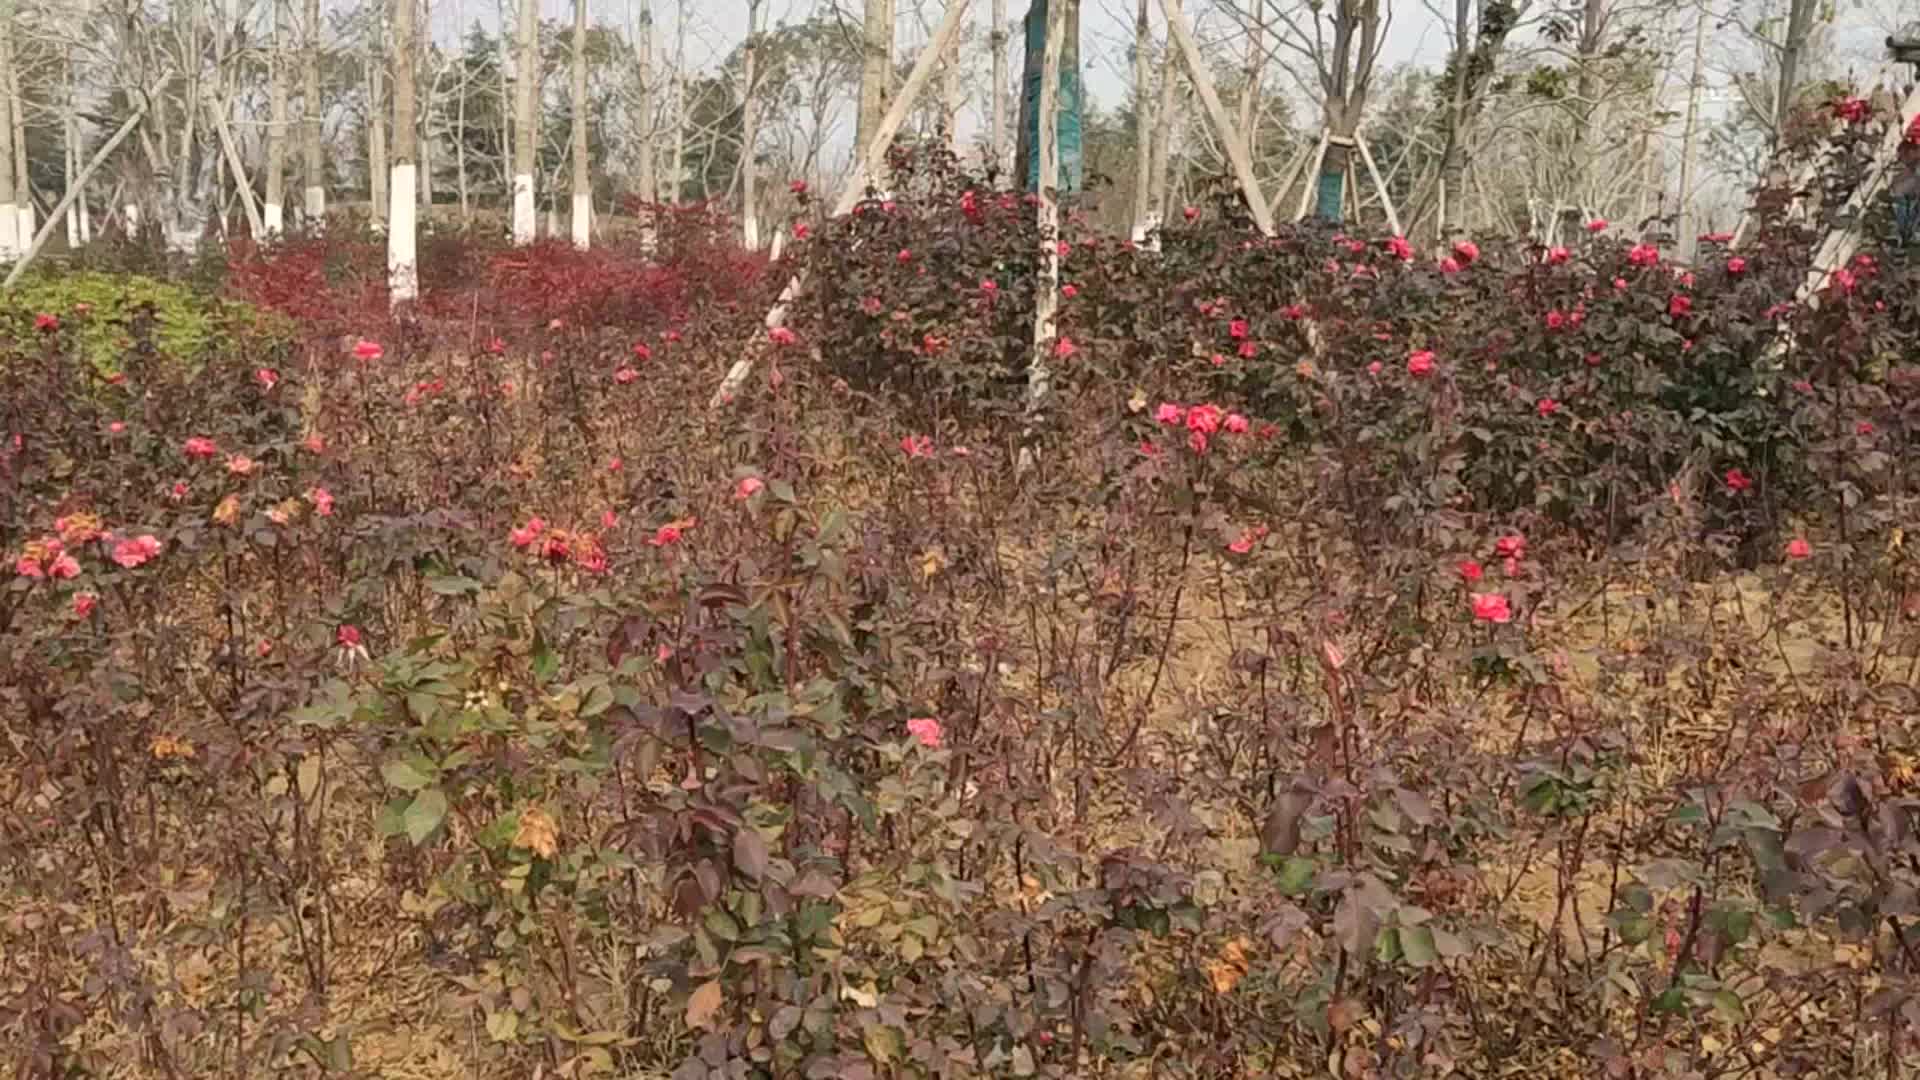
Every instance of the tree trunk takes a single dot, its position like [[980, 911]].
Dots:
[[1689, 140], [526, 80], [272, 216], [1162, 134], [646, 163], [582, 184], [313, 166], [377, 133], [22, 179], [876, 74], [998, 41], [1800, 14], [403, 272], [1142, 125], [1453, 155], [749, 132], [11, 241]]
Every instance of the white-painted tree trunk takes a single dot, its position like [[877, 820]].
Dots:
[[523, 210], [271, 214], [11, 242], [582, 184], [403, 207], [403, 267], [312, 164], [526, 80], [582, 222]]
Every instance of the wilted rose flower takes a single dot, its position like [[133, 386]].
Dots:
[[267, 378]]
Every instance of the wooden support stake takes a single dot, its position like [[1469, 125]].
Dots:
[[866, 166], [1236, 147], [1307, 155], [1386, 201], [1311, 183]]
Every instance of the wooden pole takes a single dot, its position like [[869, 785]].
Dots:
[[1386, 201], [1313, 174], [867, 165]]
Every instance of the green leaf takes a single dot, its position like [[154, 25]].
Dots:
[[1296, 875], [1386, 947], [424, 814], [1417, 943], [404, 775], [1729, 1006], [452, 584]]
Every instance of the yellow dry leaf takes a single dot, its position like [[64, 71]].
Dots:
[[1226, 970], [537, 832], [1137, 402], [228, 511], [167, 747], [931, 563]]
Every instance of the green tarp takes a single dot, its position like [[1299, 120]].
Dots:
[[1069, 104]]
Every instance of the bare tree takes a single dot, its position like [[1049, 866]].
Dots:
[[1342, 41], [1142, 124]]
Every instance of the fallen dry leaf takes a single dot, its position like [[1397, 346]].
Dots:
[[537, 832]]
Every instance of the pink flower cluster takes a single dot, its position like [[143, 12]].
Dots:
[[1202, 421]]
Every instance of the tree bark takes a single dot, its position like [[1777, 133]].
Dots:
[[1142, 125], [646, 159], [403, 277], [1800, 14], [1689, 141], [876, 73], [998, 41], [272, 215], [1162, 133], [377, 175], [582, 184], [313, 166], [749, 132], [10, 238], [526, 80], [22, 178]]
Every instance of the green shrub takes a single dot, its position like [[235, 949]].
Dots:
[[98, 310]]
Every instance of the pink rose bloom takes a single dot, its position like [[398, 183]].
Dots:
[[135, 551], [926, 729], [28, 567], [780, 335], [368, 350], [1449, 265], [1470, 570], [1798, 548], [1511, 546], [748, 487], [1236, 424], [199, 447], [83, 604], [267, 378], [64, 567], [322, 501], [1420, 363], [524, 536], [1597, 225], [1491, 607]]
